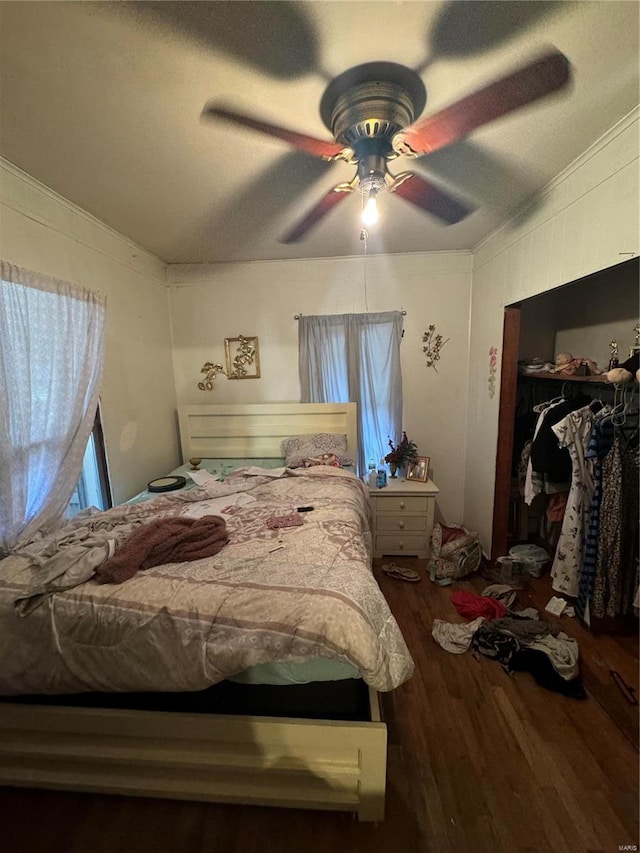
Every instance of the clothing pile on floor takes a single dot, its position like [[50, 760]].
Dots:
[[518, 639]]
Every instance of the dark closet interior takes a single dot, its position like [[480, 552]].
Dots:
[[582, 319]]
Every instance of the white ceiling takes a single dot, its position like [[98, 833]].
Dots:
[[102, 103]]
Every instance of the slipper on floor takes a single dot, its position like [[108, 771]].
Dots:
[[400, 573]]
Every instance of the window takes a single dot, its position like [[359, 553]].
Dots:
[[356, 358], [51, 356], [92, 488]]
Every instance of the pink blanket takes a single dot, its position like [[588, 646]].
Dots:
[[167, 540]]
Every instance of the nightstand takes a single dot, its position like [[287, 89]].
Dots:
[[403, 513]]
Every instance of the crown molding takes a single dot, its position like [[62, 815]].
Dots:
[[113, 245], [601, 143], [185, 275]]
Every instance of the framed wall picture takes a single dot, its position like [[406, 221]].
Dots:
[[243, 360], [418, 469]]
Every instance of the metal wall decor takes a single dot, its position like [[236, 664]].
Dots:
[[211, 371], [433, 345], [245, 364], [242, 362]]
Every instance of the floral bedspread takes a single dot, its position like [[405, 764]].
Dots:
[[285, 594]]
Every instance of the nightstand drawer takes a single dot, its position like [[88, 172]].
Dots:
[[401, 503], [404, 523], [395, 543], [403, 516]]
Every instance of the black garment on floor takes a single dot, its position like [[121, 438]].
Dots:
[[539, 665], [495, 644], [546, 456]]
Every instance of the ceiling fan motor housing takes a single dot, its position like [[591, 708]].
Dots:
[[365, 107], [366, 118], [371, 110]]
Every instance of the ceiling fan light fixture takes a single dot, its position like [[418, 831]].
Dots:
[[371, 173], [369, 213]]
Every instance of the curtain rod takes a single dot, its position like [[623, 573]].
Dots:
[[297, 316]]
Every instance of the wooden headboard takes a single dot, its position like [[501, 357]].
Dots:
[[256, 430]]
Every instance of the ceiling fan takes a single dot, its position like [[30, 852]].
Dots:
[[370, 110]]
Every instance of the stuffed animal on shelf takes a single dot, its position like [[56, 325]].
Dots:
[[626, 372], [567, 365]]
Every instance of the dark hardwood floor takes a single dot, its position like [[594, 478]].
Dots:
[[479, 762]]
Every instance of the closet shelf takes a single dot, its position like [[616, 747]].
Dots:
[[558, 377]]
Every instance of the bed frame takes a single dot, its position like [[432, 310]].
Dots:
[[257, 430], [274, 761]]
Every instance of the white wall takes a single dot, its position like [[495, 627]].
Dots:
[[44, 232], [585, 220], [212, 302], [581, 331]]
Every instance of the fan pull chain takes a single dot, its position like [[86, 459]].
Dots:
[[364, 236]]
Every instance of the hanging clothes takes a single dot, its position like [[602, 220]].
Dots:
[[534, 481], [600, 443], [616, 574], [546, 456], [573, 433]]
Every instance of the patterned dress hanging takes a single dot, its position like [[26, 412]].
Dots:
[[573, 432]]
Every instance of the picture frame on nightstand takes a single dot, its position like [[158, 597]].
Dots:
[[418, 469]]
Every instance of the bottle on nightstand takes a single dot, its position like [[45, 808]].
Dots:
[[372, 474], [381, 478]]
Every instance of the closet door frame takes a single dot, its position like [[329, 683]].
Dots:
[[506, 424]]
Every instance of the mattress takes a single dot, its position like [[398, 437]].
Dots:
[[291, 596]]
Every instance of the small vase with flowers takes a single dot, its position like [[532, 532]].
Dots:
[[399, 456]]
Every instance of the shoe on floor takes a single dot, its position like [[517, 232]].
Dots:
[[400, 573]]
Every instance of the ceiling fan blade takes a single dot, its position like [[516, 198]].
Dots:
[[291, 50], [510, 93], [429, 197], [324, 206], [318, 147]]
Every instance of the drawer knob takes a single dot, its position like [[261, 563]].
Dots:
[[401, 545], [401, 504], [401, 525]]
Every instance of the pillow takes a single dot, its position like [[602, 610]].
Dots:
[[326, 459], [301, 447]]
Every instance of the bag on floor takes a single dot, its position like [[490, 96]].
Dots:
[[455, 553]]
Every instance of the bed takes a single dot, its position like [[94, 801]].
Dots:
[[271, 597]]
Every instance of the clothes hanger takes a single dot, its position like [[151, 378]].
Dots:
[[540, 407], [616, 407], [619, 414], [624, 421]]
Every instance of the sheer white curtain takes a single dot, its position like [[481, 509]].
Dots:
[[51, 357], [355, 358]]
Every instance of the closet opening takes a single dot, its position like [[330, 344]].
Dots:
[[567, 455]]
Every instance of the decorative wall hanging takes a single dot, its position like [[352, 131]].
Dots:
[[493, 369], [433, 346], [242, 362], [245, 363], [211, 371]]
